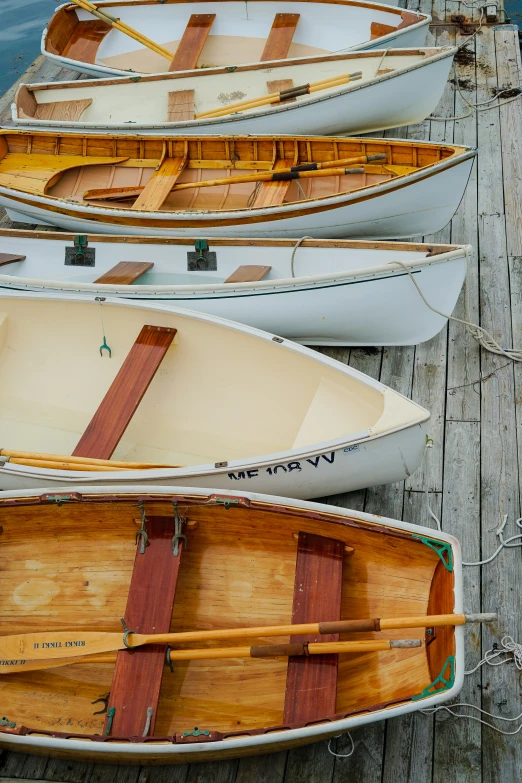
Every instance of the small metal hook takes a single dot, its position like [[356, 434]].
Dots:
[[105, 347]]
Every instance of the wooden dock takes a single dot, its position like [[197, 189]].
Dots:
[[472, 472]]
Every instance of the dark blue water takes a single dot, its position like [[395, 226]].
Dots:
[[514, 11], [22, 22], [21, 25]]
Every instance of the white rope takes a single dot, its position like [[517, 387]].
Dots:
[[294, 251], [504, 543], [341, 755], [481, 335], [432, 710], [508, 646]]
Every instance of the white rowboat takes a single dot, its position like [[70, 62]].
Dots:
[[399, 87], [78, 181], [323, 293], [230, 406], [236, 33]]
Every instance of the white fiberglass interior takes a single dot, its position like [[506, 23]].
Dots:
[[219, 393]]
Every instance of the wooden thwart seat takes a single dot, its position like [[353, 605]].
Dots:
[[271, 194], [136, 682], [85, 41], [67, 111], [311, 682], [160, 184], [248, 273], [280, 38], [9, 258], [125, 272], [181, 106], [125, 393], [192, 42]]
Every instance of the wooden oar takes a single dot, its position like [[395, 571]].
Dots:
[[212, 653], [123, 28], [70, 644], [293, 172], [76, 463], [282, 95]]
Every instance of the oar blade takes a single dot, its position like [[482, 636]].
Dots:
[[57, 644]]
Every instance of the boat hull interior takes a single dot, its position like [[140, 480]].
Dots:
[[237, 569]]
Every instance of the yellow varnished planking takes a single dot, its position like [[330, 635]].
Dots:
[[238, 569]]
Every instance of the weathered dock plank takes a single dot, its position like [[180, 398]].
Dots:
[[472, 471]]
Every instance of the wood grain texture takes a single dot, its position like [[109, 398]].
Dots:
[[125, 272], [138, 674], [117, 408], [61, 28], [160, 184], [311, 683], [280, 37], [68, 111], [192, 42], [271, 193], [462, 400], [180, 106], [248, 273], [85, 40]]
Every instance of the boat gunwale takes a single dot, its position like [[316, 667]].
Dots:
[[423, 20], [256, 113], [459, 154], [267, 735], [288, 284]]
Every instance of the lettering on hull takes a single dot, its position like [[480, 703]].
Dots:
[[285, 467]]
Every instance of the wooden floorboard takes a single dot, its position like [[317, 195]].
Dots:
[[472, 471]]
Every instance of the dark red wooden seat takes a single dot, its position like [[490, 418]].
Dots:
[[136, 682], [117, 408], [311, 682]]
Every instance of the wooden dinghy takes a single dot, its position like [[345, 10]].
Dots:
[[232, 573], [318, 293], [346, 93], [232, 186], [226, 33], [187, 399]]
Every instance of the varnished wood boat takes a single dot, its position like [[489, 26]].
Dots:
[[247, 561], [145, 185], [325, 292], [223, 33], [227, 406], [399, 87]]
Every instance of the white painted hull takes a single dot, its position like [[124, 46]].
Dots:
[[405, 96], [344, 467], [323, 28], [423, 203], [248, 744], [353, 432], [327, 303]]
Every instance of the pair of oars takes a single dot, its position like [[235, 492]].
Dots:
[[26, 652], [117, 24], [65, 462], [302, 171], [281, 95]]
